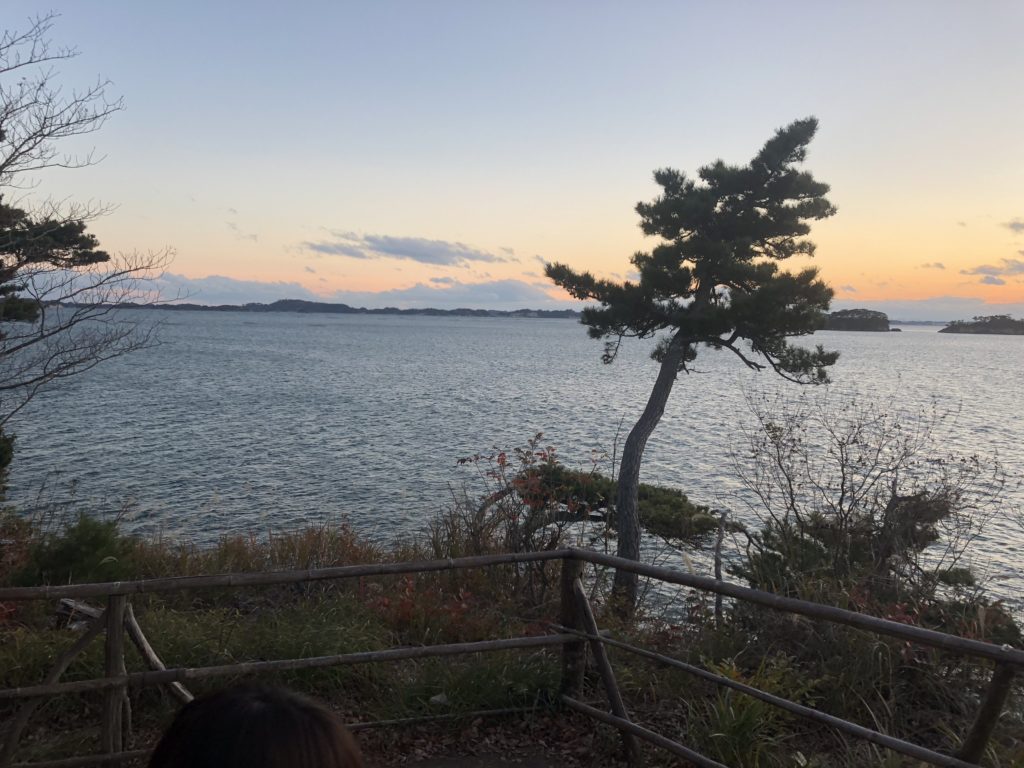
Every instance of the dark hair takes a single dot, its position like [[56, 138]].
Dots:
[[256, 727]]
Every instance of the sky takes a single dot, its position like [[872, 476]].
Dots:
[[436, 154]]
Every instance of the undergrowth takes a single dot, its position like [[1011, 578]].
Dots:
[[907, 691]]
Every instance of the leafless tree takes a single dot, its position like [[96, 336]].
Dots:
[[851, 487], [62, 299]]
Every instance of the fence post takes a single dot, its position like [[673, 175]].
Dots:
[[573, 654], [985, 721], [113, 698]]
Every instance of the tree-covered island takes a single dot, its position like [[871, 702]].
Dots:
[[856, 320], [320, 307], [998, 325]]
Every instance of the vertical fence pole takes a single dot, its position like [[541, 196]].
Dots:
[[113, 698], [573, 654], [988, 713], [718, 567]]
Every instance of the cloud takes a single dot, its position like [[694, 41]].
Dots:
[[335, 249], [983, 269], [444, 293], [1008, 267], [240, 234], [217, 289], [309, 269], [232, 211], [1015, 225], [437, 252], [848, 288], [514, 294], [453, 294], [933, 265], [961, 223], [992, 280]]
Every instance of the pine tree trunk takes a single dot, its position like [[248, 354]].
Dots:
[[627, 515]]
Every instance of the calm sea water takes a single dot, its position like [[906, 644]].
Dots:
[[246, 422]]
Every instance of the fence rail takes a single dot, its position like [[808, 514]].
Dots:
[[576, 632], [271, 578]]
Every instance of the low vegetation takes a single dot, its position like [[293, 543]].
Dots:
[[201, 628], [874, 553]]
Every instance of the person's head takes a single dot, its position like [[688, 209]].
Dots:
[[256, 727]]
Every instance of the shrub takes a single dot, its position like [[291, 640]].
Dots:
[[859, 507], [861, 510], [534, 497], [84, 550]]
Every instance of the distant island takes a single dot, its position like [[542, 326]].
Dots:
[[856, 320], [320, 307], [1000, 325]]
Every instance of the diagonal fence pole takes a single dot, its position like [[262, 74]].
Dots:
[[178, 691], [988, 714], [15, 727], [611, 687]]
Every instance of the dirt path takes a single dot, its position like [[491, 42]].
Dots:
[[541, 740], [489, 761]]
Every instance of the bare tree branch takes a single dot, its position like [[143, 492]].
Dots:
[[35, 112], [63, 301]]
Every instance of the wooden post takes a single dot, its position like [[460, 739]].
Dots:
[[113, 699], [985, 721], [718, 568], [574, 655], [611, 687]]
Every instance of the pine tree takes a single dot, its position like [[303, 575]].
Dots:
[[714, 282]]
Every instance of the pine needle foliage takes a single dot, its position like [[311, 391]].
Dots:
[[714, 281]]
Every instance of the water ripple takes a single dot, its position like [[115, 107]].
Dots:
[[242, 422]]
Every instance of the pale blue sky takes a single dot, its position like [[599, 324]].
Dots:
[[255, 130]]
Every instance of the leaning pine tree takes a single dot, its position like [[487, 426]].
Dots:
[[714, 282]]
